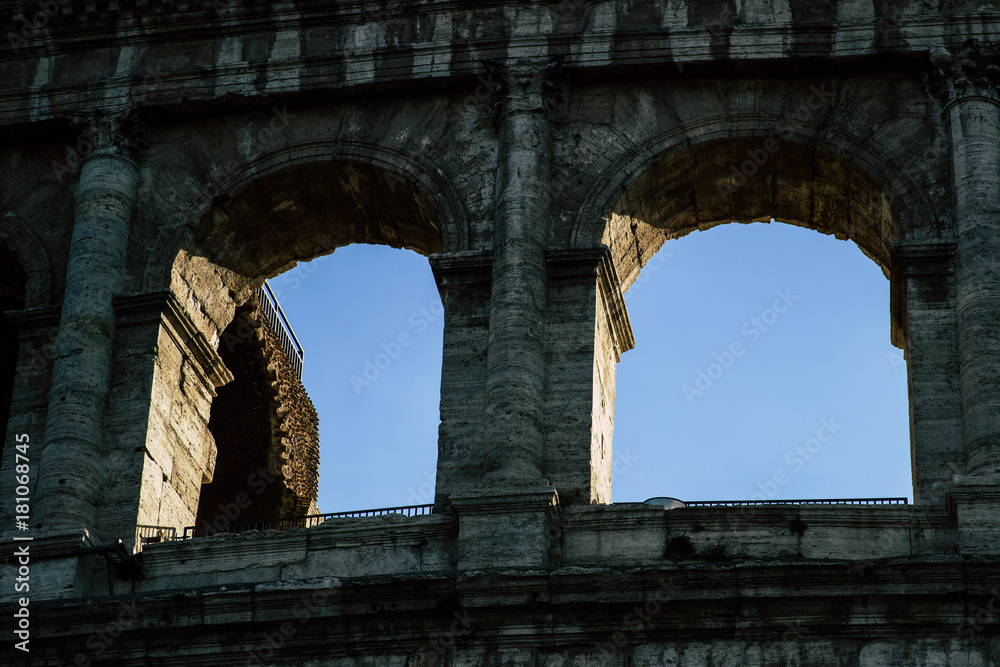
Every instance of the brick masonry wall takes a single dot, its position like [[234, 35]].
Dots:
[[266, 430]]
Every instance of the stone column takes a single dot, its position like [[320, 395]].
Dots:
[[70, 469], [587, 332], [969, 80], [515, 362], [463, 280], [925, 326]]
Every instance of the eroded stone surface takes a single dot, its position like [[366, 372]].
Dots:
[[265, 428], [268, 134]]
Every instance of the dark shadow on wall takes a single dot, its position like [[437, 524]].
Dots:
[[266, 431], [318, 207], [12, 283]]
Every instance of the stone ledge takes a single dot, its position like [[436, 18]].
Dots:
[[597, 47], [901, 600], [163, 307], [382, 546], [569, 262]]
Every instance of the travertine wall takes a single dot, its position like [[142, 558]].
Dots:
[[160, 161]]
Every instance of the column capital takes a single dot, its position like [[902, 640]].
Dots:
[[529, 85], [915, 259], [108, 133], [34, 323], [458, 272], [969, 71], [924, 256], [163, 307], [595, 261]]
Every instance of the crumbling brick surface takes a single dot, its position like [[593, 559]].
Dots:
[[262, 421]]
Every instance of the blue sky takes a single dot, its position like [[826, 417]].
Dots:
[[811, 405]]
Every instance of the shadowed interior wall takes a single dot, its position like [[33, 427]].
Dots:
[[12, 279], [265, 428]]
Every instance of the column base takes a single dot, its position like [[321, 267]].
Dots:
[[984, 462], [508, 528], [975, 502]]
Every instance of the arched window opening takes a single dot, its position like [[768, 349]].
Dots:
[[372, 323], [763, 370], [12, 284], [299, 227]]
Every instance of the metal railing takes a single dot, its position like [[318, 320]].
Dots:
[[408, 510], [834, 501], [151, 534], [281, 327], [287, 523]]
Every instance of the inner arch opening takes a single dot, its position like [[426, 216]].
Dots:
[[762, 370], [762, 362], [372, 321], [263, 422]]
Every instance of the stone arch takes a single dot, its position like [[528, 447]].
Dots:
[[869, 201], [287, 207], [34, 260], [834, 185], [264, 425], [401, 167]]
